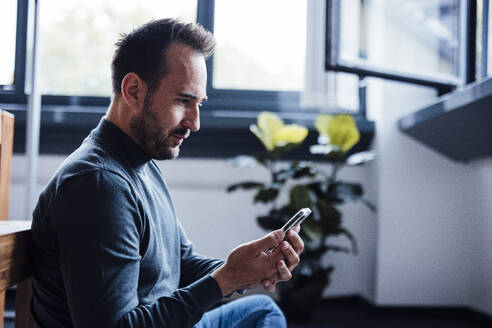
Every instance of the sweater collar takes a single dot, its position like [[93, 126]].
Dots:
[[119, 141]]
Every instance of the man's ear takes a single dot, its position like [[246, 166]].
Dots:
[[133, 90]]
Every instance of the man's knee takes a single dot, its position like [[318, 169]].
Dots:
[[272, 315], [265, 302]]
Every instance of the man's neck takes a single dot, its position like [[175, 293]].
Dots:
[[118, 115]]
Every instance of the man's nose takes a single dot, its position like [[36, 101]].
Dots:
[[192, 119]]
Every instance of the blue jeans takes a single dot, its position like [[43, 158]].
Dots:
[[247, 312]]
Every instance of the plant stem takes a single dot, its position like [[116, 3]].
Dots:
[[336, 167], [270, 165], [271, 168]]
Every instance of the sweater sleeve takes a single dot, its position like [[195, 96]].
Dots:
[[98, 225], [194, 266]]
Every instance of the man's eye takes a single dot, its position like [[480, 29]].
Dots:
[[184, 101]]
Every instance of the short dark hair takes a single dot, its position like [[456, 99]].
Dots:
[[143, 51]]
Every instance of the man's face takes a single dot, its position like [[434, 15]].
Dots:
[[171, 112]]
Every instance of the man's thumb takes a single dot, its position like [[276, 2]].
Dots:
[[271, 240]]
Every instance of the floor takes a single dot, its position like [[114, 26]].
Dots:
[[354, 312]]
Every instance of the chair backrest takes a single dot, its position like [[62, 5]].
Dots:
[[14, 236], [6, 147]]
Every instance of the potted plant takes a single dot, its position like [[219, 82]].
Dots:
[[306, 184]]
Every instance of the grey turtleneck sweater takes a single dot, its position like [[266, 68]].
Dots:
[[107, 247]]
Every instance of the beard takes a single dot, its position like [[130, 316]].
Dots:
[[151, 137]]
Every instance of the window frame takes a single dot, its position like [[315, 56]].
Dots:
[[467, 18], [16, 89], [221, 99], [240, 100]]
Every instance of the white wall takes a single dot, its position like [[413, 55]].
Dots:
[[356, 274], [217, 221], [435, 218], [423, 199], [480, 242]]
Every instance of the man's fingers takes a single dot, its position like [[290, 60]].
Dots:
[[283, 271], [290, 254], [269, 285], [296, 241], [272, 239]]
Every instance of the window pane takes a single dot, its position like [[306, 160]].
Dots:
[[261, 44], [347, 91], [8, 22], [413, 36], [478, 44], [77, 39]]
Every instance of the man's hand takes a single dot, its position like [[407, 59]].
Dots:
[[291, 247], [248, 264]]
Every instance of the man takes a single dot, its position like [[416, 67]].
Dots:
[[108, 249]]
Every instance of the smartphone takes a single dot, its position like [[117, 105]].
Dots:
[[298, 218]]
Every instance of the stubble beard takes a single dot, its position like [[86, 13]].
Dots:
[[150, 136]]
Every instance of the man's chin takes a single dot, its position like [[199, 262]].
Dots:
[[168, 153]]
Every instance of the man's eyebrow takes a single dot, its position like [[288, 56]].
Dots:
[[191, 96]]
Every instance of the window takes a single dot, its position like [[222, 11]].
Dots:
[[417, 36], [484, 34], [415, 41], [260, 45], [8, 23], [77, 40], [260, 61]]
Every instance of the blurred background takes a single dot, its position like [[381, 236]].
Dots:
[[414, 74]]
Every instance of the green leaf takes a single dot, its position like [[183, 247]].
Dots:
[[330, 153], [295, 172], [262, 159], [312, 230], [275, 219], [351, 237], [305, 169], [266, 195], [302, 172], [299, 197], [268, 222], [330, 217], [317, 188], [279, 150], [340, 192], [245, 185], [370, 205]]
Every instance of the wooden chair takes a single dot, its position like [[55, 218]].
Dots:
[[14, 236]]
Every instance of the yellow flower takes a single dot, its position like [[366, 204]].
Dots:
[[341, 130], [272, 131]]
